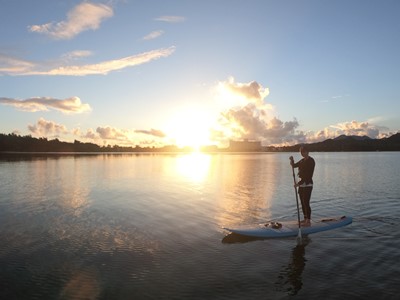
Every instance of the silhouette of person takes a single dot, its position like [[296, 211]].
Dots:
[[306, 171]]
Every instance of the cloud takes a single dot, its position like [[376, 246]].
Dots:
[[356, 128], [250, 117], [252, 91], [77, 54], [66, 106], [47, 128], [249, 122], [122, 137], [12, 66], [111, 133], [153, 35], [90, 134], [84, 16], [336, 98], [153, 132], [171, 19]]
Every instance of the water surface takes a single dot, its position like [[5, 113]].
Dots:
[[148, 226]]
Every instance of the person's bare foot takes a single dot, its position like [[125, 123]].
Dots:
[[305, 223]]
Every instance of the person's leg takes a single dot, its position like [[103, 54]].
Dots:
[[306, 202], [305, 196], [301, 196]]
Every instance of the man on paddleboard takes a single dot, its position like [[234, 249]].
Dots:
[[306, 171]]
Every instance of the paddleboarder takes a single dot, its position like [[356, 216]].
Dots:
[[306, 171]]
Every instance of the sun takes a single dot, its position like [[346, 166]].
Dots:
[[190, 127]]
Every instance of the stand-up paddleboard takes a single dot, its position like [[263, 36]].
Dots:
[[290, 228]]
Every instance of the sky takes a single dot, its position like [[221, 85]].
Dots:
[[190, 73]]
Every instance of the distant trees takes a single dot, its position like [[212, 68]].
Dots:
[[16, 143]]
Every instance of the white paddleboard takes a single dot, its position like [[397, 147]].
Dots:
[[290, 228]]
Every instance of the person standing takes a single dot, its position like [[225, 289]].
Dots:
[[305, 185]]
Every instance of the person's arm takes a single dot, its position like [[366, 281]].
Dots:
[[293, 164]]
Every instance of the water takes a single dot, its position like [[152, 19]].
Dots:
[[131, 226]]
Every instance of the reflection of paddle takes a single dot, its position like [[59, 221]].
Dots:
[[291, 276], [297, 200]]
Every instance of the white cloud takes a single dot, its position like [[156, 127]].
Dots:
[[47, 128], [67, 106], [77, 54], [357, 128], [84, 16], [153, 35], [251, 91], [354, 128], [250, 117], [12, 66], [171, 19]]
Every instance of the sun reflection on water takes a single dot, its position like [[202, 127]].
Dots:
[[194, 166]]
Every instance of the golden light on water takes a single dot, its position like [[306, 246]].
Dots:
[[194, 166]]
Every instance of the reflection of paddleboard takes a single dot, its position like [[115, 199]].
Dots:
[[290, 228]]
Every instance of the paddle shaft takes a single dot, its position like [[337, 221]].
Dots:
[[297, 198]]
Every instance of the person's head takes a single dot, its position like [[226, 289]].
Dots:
[[304, 151]]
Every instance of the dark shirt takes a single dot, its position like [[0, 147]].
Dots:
[[306, 170]]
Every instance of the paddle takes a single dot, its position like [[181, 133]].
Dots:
[[297, 201]]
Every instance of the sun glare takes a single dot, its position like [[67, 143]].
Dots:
[[190, 128], [194, 166]]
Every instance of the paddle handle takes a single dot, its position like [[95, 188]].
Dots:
[[295, 192]]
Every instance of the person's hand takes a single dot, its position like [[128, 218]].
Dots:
[[291, 160]]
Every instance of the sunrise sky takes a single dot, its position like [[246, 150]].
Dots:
[[186, 72]]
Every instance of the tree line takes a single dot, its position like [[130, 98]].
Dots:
[[16, 143]]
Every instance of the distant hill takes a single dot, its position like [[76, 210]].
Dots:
[[354, 137], [350, 143]]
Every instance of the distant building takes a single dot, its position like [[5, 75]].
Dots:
[[245, 146]]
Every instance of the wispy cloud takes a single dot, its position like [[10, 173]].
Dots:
[[84, 16], [47, 128], [67, 106], [153, 132], [171, 19], [335, 98], [75, 55], [153, 35], [125, 137], [16, 67]]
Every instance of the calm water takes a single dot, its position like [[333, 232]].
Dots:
[[149, 227]]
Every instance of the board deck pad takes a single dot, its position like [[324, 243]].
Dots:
[[290, 228]]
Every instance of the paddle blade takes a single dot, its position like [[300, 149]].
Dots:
[[299, 238]]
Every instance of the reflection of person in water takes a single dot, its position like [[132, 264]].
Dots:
[[291, 274]]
